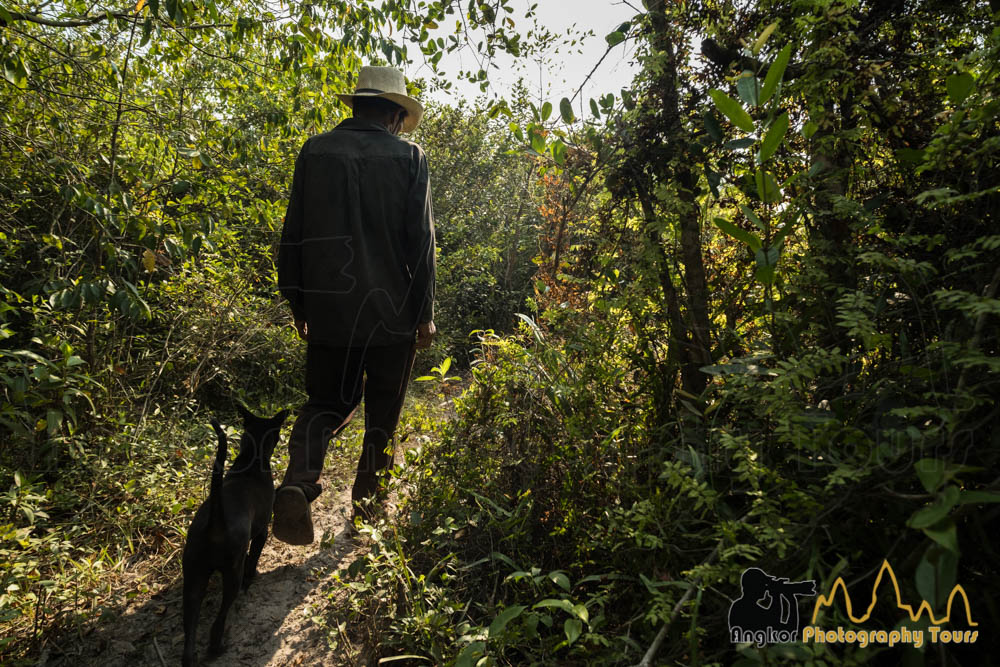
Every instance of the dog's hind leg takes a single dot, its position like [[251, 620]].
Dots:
[[250, 564], [195, 584], [231, 577]]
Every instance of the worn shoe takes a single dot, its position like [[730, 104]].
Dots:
[[292, 516]]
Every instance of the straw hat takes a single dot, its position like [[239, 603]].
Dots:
[[387, 82]]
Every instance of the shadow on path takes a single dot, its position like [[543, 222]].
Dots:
[[270, 624]]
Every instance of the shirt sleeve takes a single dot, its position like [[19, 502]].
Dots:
[[290, 248], [420, 242]]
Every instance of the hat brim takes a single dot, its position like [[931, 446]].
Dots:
[[414, 110]]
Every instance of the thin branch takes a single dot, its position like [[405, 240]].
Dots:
[[45, 44], [84, 21], [654, 648], [67, 23], [587, 78]]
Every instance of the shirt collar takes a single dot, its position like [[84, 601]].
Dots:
[[359, 125]]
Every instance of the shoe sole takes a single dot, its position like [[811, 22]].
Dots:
[[292, 518]]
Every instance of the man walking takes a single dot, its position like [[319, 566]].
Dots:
[[356, 264]]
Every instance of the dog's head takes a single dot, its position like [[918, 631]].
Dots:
[[260, 434]]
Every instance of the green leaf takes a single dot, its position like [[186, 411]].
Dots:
[[959, 86], [53, 420], [572, 627], [15, 71], [766, 260], [627, 99], [930, 472], [732, 110], [746, 237], [594, 109], [537, 142], [936, 574], [773, 138], [774, 73], [515, 129], [566, 109], [147, 31], [944, 533], [565, 605], [767, 187], [752, 217], [559, 152], [809, 129], [713, 178], [505, 617], [546, 110], [712, 127], [10, 70], [470, 654], [560, 579], [760, 41], [615, 38], [739, 144], [928, 516], [748, 88], [976, 497]]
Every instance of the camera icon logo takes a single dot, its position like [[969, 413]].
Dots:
[[767, 611]]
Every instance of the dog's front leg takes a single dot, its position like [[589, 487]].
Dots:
[[231, 577], [195, 584], [250, 565]]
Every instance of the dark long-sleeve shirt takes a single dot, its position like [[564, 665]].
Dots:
[[356, 259]]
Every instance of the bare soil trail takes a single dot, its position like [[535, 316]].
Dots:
[[280, 620], [270, 624]]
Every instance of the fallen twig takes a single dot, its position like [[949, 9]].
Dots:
[[158, 654], [651, 652]]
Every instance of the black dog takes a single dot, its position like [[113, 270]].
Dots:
[[235, 517]]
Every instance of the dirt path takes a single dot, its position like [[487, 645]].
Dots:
[[277, 622], [270, 624]]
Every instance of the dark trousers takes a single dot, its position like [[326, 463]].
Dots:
[[336, 380]]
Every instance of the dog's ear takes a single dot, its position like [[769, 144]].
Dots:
[[246, 414], [279, 418]]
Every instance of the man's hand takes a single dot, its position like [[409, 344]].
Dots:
[[425, 335], [303, 329]]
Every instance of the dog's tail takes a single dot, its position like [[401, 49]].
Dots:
[[218, 468]]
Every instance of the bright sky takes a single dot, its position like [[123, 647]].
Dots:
[[564, 67]]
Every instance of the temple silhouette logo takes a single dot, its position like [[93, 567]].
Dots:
[[901, 635]]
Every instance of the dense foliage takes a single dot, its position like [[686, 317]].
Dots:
[[743, 313], [765, 334]]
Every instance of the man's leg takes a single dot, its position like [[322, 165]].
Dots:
[[334, 382], [387, 371]]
